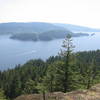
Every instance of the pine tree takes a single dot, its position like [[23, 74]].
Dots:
[[67, 53], [30, 87]]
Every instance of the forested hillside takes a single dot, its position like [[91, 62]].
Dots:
[[66, 72], [36, 31], [36, 27], [46, 36]]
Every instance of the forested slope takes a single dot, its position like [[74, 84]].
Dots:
[[66, 72]]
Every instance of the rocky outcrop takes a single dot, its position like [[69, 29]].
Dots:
[[91, 94]]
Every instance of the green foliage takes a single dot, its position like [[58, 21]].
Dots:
[[2, 96], [67, 53], [54, 77], [30, 87], [89, 71]]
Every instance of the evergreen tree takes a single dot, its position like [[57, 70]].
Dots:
[[89, 73], [66, 53], [54, 77], [2, 95], [30, 87]]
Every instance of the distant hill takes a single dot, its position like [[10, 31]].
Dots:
[[34, 27], [77, 28], [39, 27], [35, 31]]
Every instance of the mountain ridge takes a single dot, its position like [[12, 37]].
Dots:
[[38, 27], [40, 30], [78, 28], [30, 27]]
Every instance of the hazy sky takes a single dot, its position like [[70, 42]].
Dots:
[[80, 12]]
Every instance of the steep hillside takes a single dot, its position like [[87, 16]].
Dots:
[[91, 94]]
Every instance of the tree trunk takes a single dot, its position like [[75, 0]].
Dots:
[[88, 84], [44, 97]]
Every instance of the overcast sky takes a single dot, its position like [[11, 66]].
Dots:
[[79, 12]]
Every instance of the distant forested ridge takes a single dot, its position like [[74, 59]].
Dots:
[[38, 27], [36, 31], [46, 36]]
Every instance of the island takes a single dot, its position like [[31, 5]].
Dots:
[[45, 36]]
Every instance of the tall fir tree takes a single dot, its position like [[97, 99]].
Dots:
[[67, 53]]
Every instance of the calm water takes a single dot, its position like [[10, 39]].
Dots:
[[13, 52]]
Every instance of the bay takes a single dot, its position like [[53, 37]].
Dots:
[[13, 52]]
